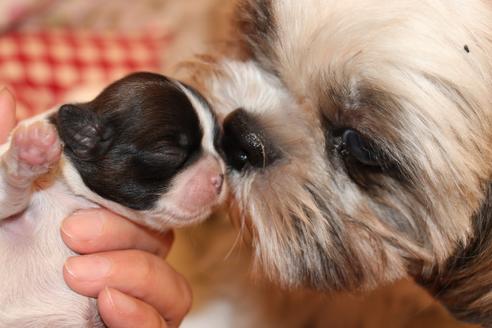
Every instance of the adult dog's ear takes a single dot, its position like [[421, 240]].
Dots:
[[83, 132]]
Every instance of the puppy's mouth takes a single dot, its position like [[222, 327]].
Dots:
[[186, 216], [176, 217], [170, 212]]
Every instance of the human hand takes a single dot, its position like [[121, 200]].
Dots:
[[124, 268]]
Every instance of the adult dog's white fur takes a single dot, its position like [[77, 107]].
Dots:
[[413, 79]]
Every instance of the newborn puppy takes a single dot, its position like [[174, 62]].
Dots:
[[144, 148]]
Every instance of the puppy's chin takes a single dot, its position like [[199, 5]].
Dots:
[[175, 217], [168, 214]]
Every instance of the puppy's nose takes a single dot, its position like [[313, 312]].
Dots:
[[217, 182], [246, 142]]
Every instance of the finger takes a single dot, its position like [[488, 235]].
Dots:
[[7, 114], [122, 311], [136, 273], [101, 230]]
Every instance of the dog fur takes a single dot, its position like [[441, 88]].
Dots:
[[381, 165], [174, 171]]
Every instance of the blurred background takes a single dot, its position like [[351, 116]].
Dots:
[[48, 48]]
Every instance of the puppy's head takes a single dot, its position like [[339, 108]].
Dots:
[[379, 167], [146, 144]]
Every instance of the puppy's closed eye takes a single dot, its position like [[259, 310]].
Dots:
[[170, 157]]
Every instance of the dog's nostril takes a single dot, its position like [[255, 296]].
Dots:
[[245, 142], [236, 156]]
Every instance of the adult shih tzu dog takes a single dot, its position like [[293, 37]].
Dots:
[[359, 152]]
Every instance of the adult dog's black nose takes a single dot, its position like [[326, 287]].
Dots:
[[246, 142]]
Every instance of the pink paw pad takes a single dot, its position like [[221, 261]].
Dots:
[[35, 148]]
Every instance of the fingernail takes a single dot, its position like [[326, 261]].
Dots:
[[3, 89], [88, 268], [120, 302], [5, 94], [5, 97], [84, 225]]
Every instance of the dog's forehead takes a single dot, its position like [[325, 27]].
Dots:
[[332, 42], [406, 64]]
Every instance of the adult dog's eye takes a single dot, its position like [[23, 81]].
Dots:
[[356, 147]]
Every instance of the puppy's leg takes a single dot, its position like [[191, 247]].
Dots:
[[32, 151]]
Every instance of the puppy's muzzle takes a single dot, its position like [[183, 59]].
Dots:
[[246, 143]]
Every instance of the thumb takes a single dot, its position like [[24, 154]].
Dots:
[[7, 114]]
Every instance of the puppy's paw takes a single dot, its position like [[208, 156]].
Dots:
[[33, 151]]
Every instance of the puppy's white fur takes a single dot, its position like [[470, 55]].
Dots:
[[32, 255]]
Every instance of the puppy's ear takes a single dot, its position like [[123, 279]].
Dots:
[[83, 133]]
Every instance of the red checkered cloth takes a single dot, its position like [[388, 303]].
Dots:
[[40, 67]]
